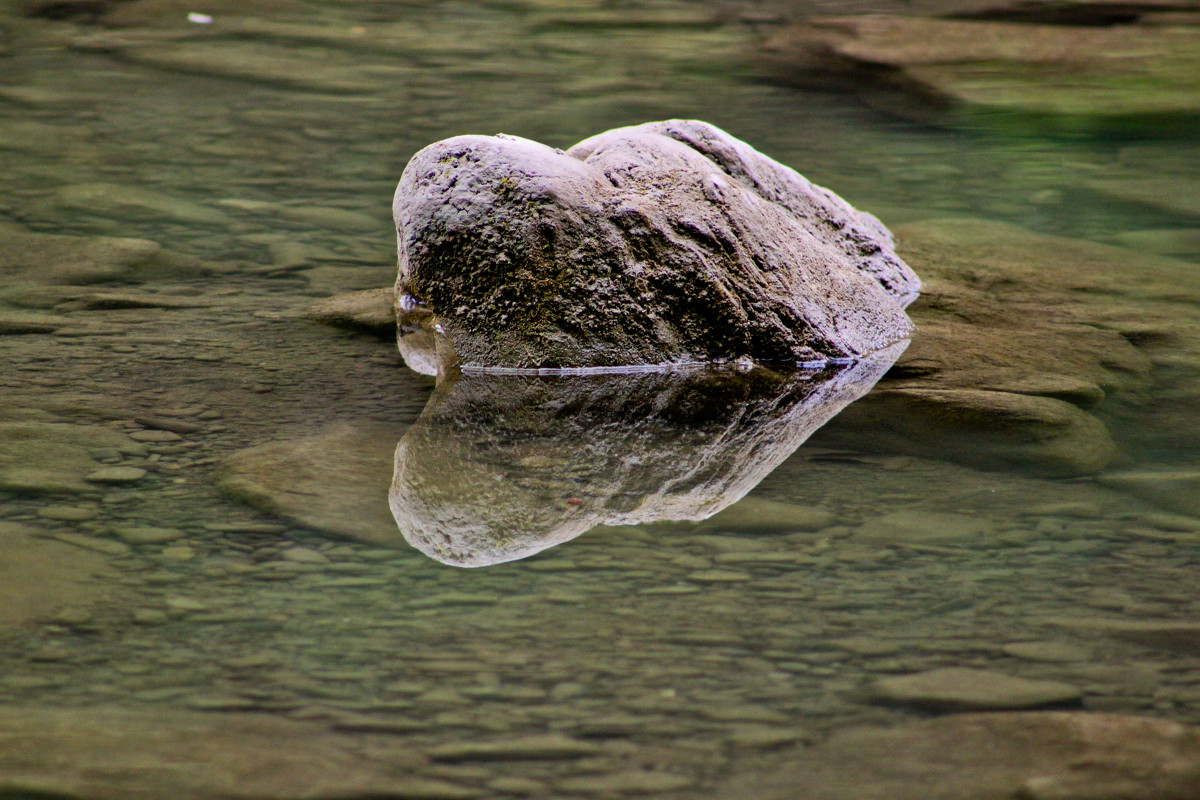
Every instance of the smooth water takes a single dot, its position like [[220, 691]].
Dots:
[[674, 655]]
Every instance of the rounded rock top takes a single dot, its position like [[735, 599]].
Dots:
[[664, 243]]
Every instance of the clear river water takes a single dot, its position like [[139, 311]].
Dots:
[[194, 473]]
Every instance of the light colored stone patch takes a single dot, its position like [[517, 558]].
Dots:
[[996, 756], [1182, 636], [121, 201], [369, 309], [1048, 651], [146, 534], [960, 689], [53, 458], [761, 515], [39, 577], [335, 482], [1174, 489], [33, 260], [918, 527], [112, 753], [311, 69], [116, 475], [23, 322], [551, 747]]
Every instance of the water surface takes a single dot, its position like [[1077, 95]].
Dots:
[[263, 155]]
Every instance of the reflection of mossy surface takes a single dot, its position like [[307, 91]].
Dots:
[[500, 467]]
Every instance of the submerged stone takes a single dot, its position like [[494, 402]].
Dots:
[[1020, 335], [125, 202], [985, 429], [106, 753], [370, 310], [313, 69], [37, 259], [959, 689], [20, 322], [759, 515], [1122, 78], [39, 576], [668, 242], [922, 527], [334, 482], [499, 467], [1053, 755], [54, 458], [1175, 489]]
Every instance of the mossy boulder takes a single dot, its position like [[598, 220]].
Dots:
[[668, 242]]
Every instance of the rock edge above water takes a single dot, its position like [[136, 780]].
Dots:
[[668, 242]]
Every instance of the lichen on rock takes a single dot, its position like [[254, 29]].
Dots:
[[664, 243]]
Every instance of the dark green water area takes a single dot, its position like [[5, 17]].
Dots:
[[690, 586]]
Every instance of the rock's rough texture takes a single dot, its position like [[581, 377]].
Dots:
[[665, 242], [997, 756]]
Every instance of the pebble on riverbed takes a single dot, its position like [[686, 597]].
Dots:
[[959, 689]]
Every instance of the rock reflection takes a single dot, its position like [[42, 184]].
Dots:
[[499, 467]]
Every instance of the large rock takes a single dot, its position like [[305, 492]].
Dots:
[[666, 242], [995, 756], [500, 467]]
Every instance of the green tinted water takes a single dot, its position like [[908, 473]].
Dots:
[[680, 654]]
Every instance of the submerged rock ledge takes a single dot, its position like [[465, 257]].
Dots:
[[665, 243]]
